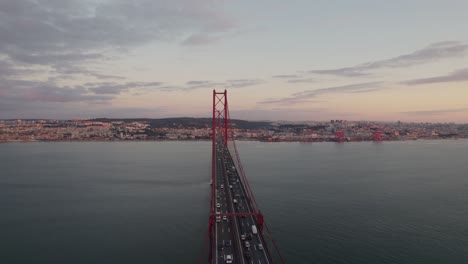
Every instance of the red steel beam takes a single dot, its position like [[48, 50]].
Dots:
[[225, 119], [213, 160], [213, 154]]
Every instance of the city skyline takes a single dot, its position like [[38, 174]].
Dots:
[[307, 60]]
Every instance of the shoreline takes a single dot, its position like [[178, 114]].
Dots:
[[256, 140]]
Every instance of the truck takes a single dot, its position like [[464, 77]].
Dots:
[[254, 230]]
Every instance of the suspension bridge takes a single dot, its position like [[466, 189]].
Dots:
[[237, 232]]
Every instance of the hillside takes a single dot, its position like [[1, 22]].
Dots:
[[186, 122]]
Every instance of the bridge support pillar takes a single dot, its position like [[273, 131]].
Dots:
[[260, 221], [339, 136], [378, 135]]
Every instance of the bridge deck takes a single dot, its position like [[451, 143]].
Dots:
[[232, 232]]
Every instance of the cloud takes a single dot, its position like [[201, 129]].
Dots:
[[199, 39], [352, 88], [114, 88], [103, 76], [287, 101], [46, 59], [301, 97], [72, 110], [431, 53], [239, 80], [286, 76], [204, 84], [48, 26], [435, 112], [23, 92], [70, 71], [456, 76], [346, 72], [46, 99], [244, 83], [67, 36], [46, 43], [108, 88], [211, 32], [197, 82], [9, 69], [294, 78], [6, 68], [308, 80]]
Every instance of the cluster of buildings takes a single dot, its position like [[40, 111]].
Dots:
[[342, 130], [92, 130], [334, 130]]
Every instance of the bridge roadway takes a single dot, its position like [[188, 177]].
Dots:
[[232, 232]]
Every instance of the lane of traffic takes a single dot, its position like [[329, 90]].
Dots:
[[249, 229]]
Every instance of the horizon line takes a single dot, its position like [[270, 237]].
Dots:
[[270, 121]]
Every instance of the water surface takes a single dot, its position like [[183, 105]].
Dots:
[[147, 202]]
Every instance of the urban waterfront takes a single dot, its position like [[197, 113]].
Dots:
[[148, 202]]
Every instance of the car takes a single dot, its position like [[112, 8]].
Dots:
[[218, 205], [254, 230], [218, 218], [228, 259], [220, 247], [222, 186], [230, 186], [260, 247], [247, 244], [224, 218], [243, 237]]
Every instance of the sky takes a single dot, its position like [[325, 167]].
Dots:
[[279, 60]]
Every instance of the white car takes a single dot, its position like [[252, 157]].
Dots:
[[224, 218], [218, 205], [260, 247], [228, 258]]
